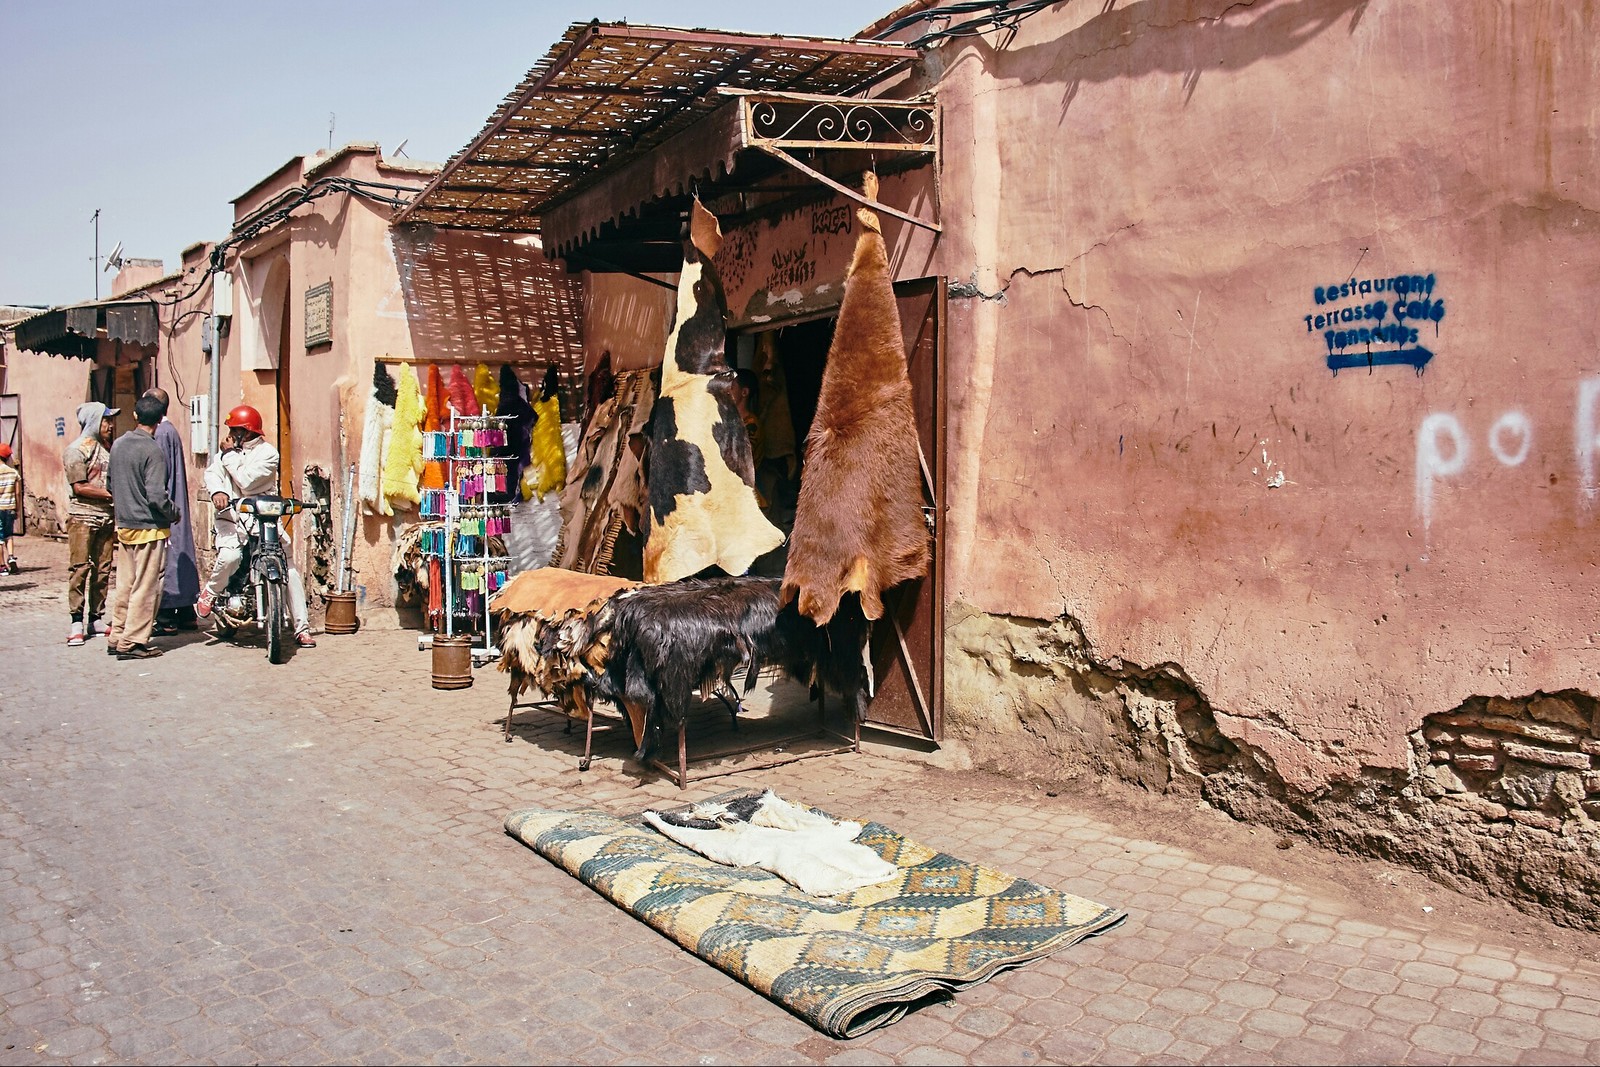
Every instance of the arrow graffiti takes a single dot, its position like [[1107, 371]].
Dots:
[[1416, 358]]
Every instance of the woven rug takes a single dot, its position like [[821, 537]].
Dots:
[[845, 965]]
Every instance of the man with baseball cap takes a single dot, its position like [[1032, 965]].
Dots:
[[91, 538]]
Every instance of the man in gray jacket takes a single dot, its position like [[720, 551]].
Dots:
[[144, 515]]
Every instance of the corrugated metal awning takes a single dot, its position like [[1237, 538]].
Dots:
[[607, 95], [75, 330]]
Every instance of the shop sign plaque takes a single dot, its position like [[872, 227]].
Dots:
[[319, 315]]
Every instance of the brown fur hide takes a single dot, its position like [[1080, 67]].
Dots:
[[604, 492], [858, 526], [700, 474], [550, 592]]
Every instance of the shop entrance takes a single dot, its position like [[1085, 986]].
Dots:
[[907, 643]]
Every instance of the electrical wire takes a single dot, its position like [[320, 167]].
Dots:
[[278, 210], [998, 15], [274, 212]]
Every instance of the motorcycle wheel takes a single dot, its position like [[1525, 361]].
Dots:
[[273, 623]]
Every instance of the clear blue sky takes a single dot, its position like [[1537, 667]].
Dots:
[[160, 113]]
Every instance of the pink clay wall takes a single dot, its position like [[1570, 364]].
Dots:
[[1147, 434]]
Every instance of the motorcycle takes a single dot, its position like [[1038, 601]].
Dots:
[[258, 592]]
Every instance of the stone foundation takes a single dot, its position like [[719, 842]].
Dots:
[[40, 516], [1500, 796]]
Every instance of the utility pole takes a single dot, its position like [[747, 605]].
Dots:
[[96, 221]]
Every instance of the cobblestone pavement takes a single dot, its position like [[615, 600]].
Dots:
[[204, 858]]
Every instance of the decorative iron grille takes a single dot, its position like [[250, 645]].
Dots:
[[881, 125]]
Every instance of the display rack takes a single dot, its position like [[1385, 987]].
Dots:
[[468, 518]]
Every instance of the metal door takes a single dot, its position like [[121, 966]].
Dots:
[[908, 642]]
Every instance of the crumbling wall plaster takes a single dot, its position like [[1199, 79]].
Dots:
[[1496, 796]]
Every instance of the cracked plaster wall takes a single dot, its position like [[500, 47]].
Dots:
[[1139, 203]]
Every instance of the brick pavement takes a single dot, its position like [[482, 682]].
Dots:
[[209, 859]]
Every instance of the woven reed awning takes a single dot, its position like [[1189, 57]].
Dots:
[[609, 96], [75, 330]]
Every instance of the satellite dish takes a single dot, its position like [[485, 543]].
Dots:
[[115, 258]]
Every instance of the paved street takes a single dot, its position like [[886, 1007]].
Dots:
[[204, 858]]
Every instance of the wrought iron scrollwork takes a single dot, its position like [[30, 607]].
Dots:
[[876, 124]]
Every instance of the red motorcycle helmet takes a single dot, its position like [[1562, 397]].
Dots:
[[244, 417]]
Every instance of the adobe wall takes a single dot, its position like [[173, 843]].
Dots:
[[51, 388], [1197, 537]]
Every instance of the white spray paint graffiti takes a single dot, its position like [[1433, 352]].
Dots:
[[1443, 450], [1516, 425], [1587, 439], [1433, 463]]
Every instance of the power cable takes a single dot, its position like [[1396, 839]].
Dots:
[[280, 208], [998, 15]]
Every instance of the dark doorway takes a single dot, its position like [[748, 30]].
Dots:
[[907, 643]]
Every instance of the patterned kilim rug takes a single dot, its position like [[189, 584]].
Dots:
[[846, 964]]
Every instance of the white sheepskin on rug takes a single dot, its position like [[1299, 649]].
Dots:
[[813, 853]]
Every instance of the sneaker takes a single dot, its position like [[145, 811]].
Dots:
[[202, 607], [14, 567], [140, 652], [75, 635], [305, 640]]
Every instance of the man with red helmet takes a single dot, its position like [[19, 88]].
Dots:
[[245, 465]]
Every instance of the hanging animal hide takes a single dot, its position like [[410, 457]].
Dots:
[[548, 469], [402, 460], [700, 473], [486, 389], [437, 418], [520, 416], [858, 526], [535, 529], [462, 398], [375, 440], [605, 493], [601, 386]]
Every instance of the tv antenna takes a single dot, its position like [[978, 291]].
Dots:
[[95, 218]]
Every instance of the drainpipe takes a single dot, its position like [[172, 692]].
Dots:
[[216, 387], [221, 307]]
